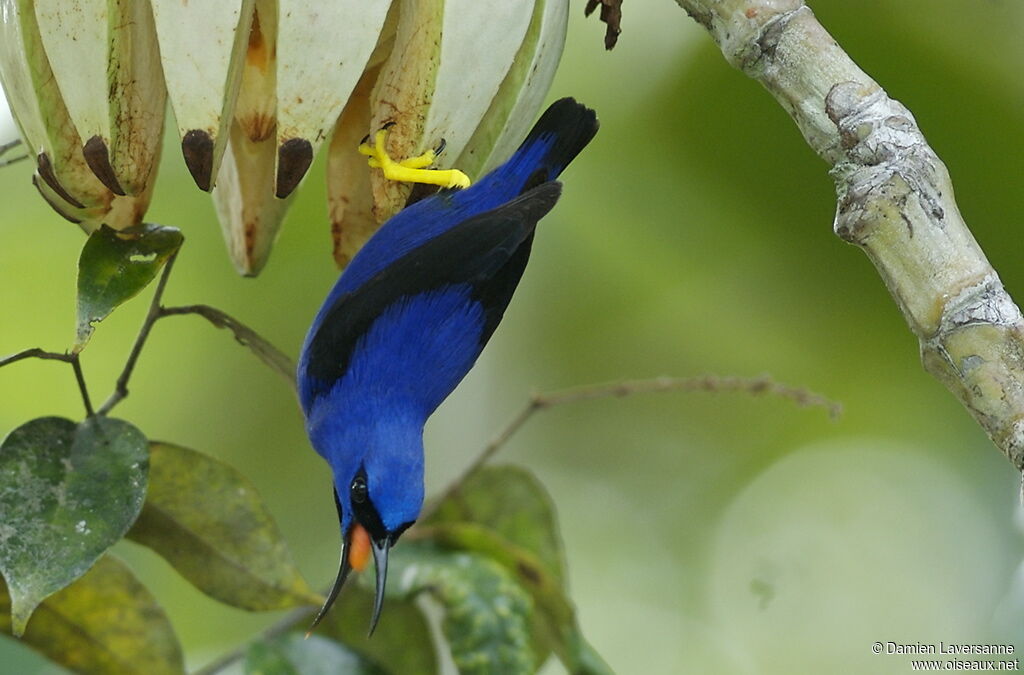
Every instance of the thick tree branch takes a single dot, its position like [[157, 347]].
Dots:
[[895, 201]]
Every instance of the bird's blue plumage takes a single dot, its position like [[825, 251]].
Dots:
[[410, 315], [402, 368]]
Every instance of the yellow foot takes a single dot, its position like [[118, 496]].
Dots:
[[412, 170]]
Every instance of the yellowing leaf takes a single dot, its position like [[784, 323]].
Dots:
[[106, 623], [207, 520]]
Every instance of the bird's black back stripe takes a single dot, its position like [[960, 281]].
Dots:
[[487, 252]]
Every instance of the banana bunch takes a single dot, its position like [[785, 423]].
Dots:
[[83, 80], [256, 88]]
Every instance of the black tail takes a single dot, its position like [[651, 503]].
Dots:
[[564, 129]]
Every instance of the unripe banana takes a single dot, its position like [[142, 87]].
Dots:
[[322, 49], [62, 175], [257, 86], [104, 57], [202, 48], [522, 93], [249, 213], [256, 107], [447, 64]]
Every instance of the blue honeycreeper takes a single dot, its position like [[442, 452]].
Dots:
[[407, 320]]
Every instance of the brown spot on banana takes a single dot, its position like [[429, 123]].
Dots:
[[45, 171], [197, 148], [97, 156], [293, 160]]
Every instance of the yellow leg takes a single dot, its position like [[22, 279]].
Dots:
[[412, 170]]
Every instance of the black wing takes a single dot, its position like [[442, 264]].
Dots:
[[487, 252]]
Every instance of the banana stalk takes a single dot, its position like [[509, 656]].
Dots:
[[105, 60], [202, 48]]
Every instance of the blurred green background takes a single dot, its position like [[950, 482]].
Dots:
[[705, 533]]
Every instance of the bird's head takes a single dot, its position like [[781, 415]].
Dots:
[[379, 494]]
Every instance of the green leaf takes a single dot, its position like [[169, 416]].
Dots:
[[115, 266], [486, 613], [402, 642], [207, 520], [106, 622], [505, 514], [510, 501], [67, 493], [291, 654]]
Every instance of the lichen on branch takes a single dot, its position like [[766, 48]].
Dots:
[[895, 202]]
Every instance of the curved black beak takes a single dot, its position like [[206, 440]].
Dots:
[[343, 570], [380, 549]]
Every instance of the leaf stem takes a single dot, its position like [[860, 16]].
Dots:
[[709, 383], [270, 355], [121, 387], [76, 365]]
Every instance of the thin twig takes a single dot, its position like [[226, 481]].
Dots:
[[713, 383], [260, 346], [12, 160], [37, 353], [121, 387], [76, 365], [273, 357], [7, 146]]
